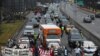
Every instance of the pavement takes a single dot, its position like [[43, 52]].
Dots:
[[78, 14]]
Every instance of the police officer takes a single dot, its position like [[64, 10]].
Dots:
[[35, 38], [62, 30]]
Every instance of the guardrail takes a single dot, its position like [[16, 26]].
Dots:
[[88, 34]]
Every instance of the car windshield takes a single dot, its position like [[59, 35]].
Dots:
[[76, 37], [88, 18], [24, 42], [53, 37], [28, 29], [74, 31]]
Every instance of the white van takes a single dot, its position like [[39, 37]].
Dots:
[[89, 48]]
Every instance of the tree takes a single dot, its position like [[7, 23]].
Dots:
[[0, 9]]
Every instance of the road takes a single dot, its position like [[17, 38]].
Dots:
[[77, 15]]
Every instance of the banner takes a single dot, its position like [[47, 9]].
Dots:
[[43, 52], [16, 52]]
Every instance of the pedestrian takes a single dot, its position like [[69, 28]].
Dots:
[[65, 52], [77, 51], [62, 31], [60, 24], [97, 52], [36, 52], [35, 38]]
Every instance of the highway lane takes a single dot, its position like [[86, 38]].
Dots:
[[77, 15]]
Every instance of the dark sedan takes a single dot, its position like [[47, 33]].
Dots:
[[97, 15], [92, 17]]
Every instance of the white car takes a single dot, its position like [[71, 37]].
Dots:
[[28, 30], [89, 48], [24, 42]]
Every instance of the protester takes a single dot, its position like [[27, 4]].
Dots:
[[97, 52], [62, 31], [65, 52], [35, 38], [77, 51]]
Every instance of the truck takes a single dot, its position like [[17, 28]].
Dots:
[[50, 36]]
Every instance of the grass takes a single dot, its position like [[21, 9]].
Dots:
[[8, 29]]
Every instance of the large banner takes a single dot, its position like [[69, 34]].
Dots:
[[16, 52]]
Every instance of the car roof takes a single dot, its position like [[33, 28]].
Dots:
[[88, 44], [28, 26]]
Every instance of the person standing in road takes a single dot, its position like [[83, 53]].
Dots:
[[62, 31], [35, 38], [97, 52], [78, 51], [65, 52]]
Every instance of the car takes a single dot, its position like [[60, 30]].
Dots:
[[87, 20], [34, 22], [24, 42], [97, 15], [28, 30], [75, 38], [92, 17], [89, 48], [64, 22], [68, 28]]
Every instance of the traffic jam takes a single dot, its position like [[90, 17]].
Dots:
[[49, 33]]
